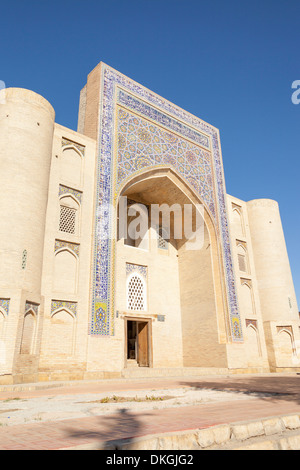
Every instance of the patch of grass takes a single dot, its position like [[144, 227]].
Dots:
[[154, 398], [11, 399], [116, 399]]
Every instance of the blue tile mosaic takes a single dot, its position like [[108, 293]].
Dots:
[[4, 305], [153, 132]]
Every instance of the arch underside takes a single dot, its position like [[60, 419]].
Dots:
[[140, 186], [185, 284]]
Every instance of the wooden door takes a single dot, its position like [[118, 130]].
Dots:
[[143, 348]]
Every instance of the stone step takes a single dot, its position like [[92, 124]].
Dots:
[[132, 363], [144, 372]]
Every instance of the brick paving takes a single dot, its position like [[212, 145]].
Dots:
[[284, 399]]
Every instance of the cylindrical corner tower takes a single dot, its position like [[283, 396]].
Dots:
[[27, 125], [275, 283], [26, 138]]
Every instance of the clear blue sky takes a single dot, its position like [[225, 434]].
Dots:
[[231, 63]]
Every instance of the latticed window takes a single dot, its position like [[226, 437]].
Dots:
[[136, 293], [24, 259], [67, 220]]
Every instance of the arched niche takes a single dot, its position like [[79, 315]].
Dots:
[[253, 346], [71, 165], [28, 333], [2, 323], [61, 334], [242, 255], [65, 271], [285, 347], [237, 222], [246, 299]]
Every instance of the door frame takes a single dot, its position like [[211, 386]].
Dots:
[[141, 320]]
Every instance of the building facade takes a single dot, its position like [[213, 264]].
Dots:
[[81, 298]]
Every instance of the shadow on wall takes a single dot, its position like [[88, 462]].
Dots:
[[266, 388], [122, 425]]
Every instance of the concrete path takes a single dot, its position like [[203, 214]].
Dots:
[[269, 396]]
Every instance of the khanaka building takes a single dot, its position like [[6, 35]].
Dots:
[[75, 304]]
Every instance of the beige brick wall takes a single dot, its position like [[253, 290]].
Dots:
[[27, 125], [163, 298], [275, 284], [201, 347], [67, 273], [253, 352]]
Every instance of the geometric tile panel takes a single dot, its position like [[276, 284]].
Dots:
[[159, 117], [131, 268], [62, 244], [31, 306], [57, 304], [67, 142], [66, 190], [251, 323], [4, 304], [142, 144]]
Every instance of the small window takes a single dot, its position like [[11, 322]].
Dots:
[[24, 259], [67, 220]]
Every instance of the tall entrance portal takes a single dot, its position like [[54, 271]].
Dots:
[[138, 131]]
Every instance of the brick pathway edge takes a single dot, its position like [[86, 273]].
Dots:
[[275, 433]]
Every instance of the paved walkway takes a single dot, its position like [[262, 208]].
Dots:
[[283, 398]]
